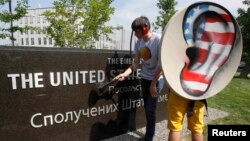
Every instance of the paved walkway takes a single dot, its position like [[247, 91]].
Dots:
[[162, 131]]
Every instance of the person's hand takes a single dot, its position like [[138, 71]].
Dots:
[[153, 90], [120, 77]]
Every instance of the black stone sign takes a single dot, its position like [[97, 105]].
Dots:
[[52, 94]]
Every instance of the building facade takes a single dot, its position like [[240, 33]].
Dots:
[[35, 18]]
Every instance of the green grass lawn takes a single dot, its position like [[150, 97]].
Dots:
[[234, 99]]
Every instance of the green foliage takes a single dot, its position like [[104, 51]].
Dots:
[[167, 10], [9, 17], [244, 22], [2, 2], [77, 23]]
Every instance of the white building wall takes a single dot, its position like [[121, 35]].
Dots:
[[35, 18]]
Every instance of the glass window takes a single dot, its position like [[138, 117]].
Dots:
[[22, 43], [44, 41], [32, 41], [50, 41], [27, 41], [39, 41]]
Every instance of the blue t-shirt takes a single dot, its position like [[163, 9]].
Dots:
[[149, 52]]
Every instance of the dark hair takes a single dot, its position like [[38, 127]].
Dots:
[[140, 23]]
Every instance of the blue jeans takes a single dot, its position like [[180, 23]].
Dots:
[[150, 107]]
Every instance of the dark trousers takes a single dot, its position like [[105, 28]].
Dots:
[[150, 109]]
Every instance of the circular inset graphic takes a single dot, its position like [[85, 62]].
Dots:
[[201, 50]]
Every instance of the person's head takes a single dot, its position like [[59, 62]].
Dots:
[[141, 26]]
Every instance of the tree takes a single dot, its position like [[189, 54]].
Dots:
[[244, 21], [8, 17], [167, 10], [78, 23]]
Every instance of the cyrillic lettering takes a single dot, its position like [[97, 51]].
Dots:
[[77, 115], [70, 115], [32, 121], [45, 119], [93, 111], [60, 119], [101, 110], [85, 113]]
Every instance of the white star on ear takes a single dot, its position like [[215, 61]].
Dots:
[[189, 20], [197, 11]]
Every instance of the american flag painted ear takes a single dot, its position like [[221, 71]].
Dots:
[[209, 32], [201, 49]]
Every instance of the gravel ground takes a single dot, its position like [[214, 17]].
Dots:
[[161, 133]]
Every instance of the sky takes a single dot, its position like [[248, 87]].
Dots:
[[127, 10]]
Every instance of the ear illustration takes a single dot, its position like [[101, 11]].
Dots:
[[209, 31]]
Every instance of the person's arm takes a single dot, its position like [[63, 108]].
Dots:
[[153, 90], [128, 71], [158, 73]]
